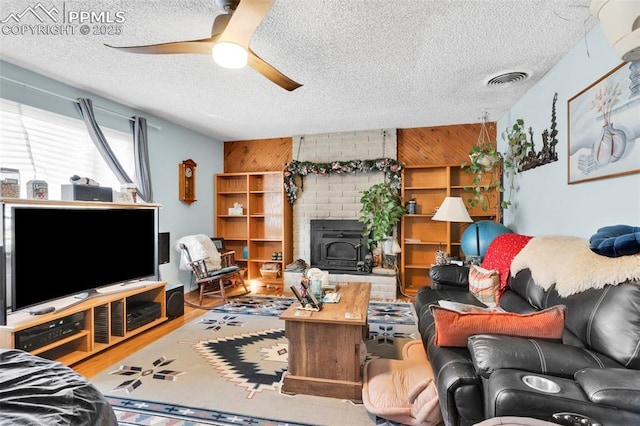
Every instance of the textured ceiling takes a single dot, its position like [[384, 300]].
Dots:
[[365, 64]]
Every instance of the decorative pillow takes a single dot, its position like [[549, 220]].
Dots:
[[484, 284], [616, 240], [453, 328], [501, 252]]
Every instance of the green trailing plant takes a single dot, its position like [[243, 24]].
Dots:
[[518, 147], [381, 211], [298, 169], [485, 164]]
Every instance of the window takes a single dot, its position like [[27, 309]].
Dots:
[[47, 146]]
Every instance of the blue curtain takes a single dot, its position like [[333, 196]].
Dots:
[[141, 153], [85, 107]]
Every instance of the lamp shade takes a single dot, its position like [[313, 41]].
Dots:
[[452, 210]]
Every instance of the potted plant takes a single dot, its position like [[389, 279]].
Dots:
[[485, 164], [381, 211]]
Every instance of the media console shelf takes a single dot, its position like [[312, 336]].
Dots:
[[87, 327]]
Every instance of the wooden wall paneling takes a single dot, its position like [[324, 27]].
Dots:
[[439, 145], [259, 155]]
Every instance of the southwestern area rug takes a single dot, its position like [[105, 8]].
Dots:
[[226, 367]]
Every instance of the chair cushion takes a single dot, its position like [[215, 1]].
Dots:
[[223, 271], [454, 328]]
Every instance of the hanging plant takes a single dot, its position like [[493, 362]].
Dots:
[[485, 164], [381, 211], [391, 168]]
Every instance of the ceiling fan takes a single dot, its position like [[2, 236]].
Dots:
[[229, 41]]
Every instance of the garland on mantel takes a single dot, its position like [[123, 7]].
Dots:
[[392, 171]]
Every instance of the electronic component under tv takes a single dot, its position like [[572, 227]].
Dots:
[[57, 252], [164, 251]]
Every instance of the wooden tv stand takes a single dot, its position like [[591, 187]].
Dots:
[[103, 325]]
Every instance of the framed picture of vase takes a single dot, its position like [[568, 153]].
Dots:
[[604, 126]]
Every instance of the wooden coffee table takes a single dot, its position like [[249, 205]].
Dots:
[[326, 348]]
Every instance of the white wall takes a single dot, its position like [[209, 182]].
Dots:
[[168, 146], [545, 203]]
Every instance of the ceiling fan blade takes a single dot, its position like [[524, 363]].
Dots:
[[245, 20], [202, 46], [258, 64]]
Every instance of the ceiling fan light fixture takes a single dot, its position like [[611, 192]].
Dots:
[[229, 55]]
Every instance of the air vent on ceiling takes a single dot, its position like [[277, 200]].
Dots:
[[507, 78]]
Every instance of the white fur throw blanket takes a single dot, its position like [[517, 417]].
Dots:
[[572, 266], [200, 247]]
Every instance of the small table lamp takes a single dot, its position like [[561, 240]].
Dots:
[[452, 209]]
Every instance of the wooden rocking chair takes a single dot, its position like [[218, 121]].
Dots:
[[214, 282]]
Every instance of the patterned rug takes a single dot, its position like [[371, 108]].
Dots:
[[226, 368]]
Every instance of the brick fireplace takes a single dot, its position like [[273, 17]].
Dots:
[[337, 196]]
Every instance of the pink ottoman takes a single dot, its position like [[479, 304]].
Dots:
[[402, 391]]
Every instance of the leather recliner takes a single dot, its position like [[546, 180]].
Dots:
[[591, 377]]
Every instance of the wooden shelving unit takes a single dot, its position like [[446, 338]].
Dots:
[[265, 226], [422, 237], [103, 325]]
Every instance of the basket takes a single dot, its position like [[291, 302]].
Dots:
[[270, 270]]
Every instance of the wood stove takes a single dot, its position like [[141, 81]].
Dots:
[[338, 245]]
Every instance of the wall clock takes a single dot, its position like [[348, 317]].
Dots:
[[187, 181]]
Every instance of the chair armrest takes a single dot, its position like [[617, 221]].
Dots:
[[449, 277], [616, 387], [490, 352], [227, 258], [199, 269]]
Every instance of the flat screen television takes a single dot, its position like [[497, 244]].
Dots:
[[57, 252]]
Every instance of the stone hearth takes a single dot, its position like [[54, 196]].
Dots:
[[383, 287]]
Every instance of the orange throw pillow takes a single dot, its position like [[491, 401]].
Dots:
[[453, 328]]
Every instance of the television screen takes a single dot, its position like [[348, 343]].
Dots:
[[57, 252]]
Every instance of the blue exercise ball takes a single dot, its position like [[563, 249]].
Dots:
[[479, 235]]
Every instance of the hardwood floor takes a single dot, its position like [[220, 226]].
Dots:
[[100, 361]]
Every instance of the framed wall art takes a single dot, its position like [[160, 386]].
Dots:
[[604, 126]]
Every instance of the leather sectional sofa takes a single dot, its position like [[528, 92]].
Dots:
[[590, 376]]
